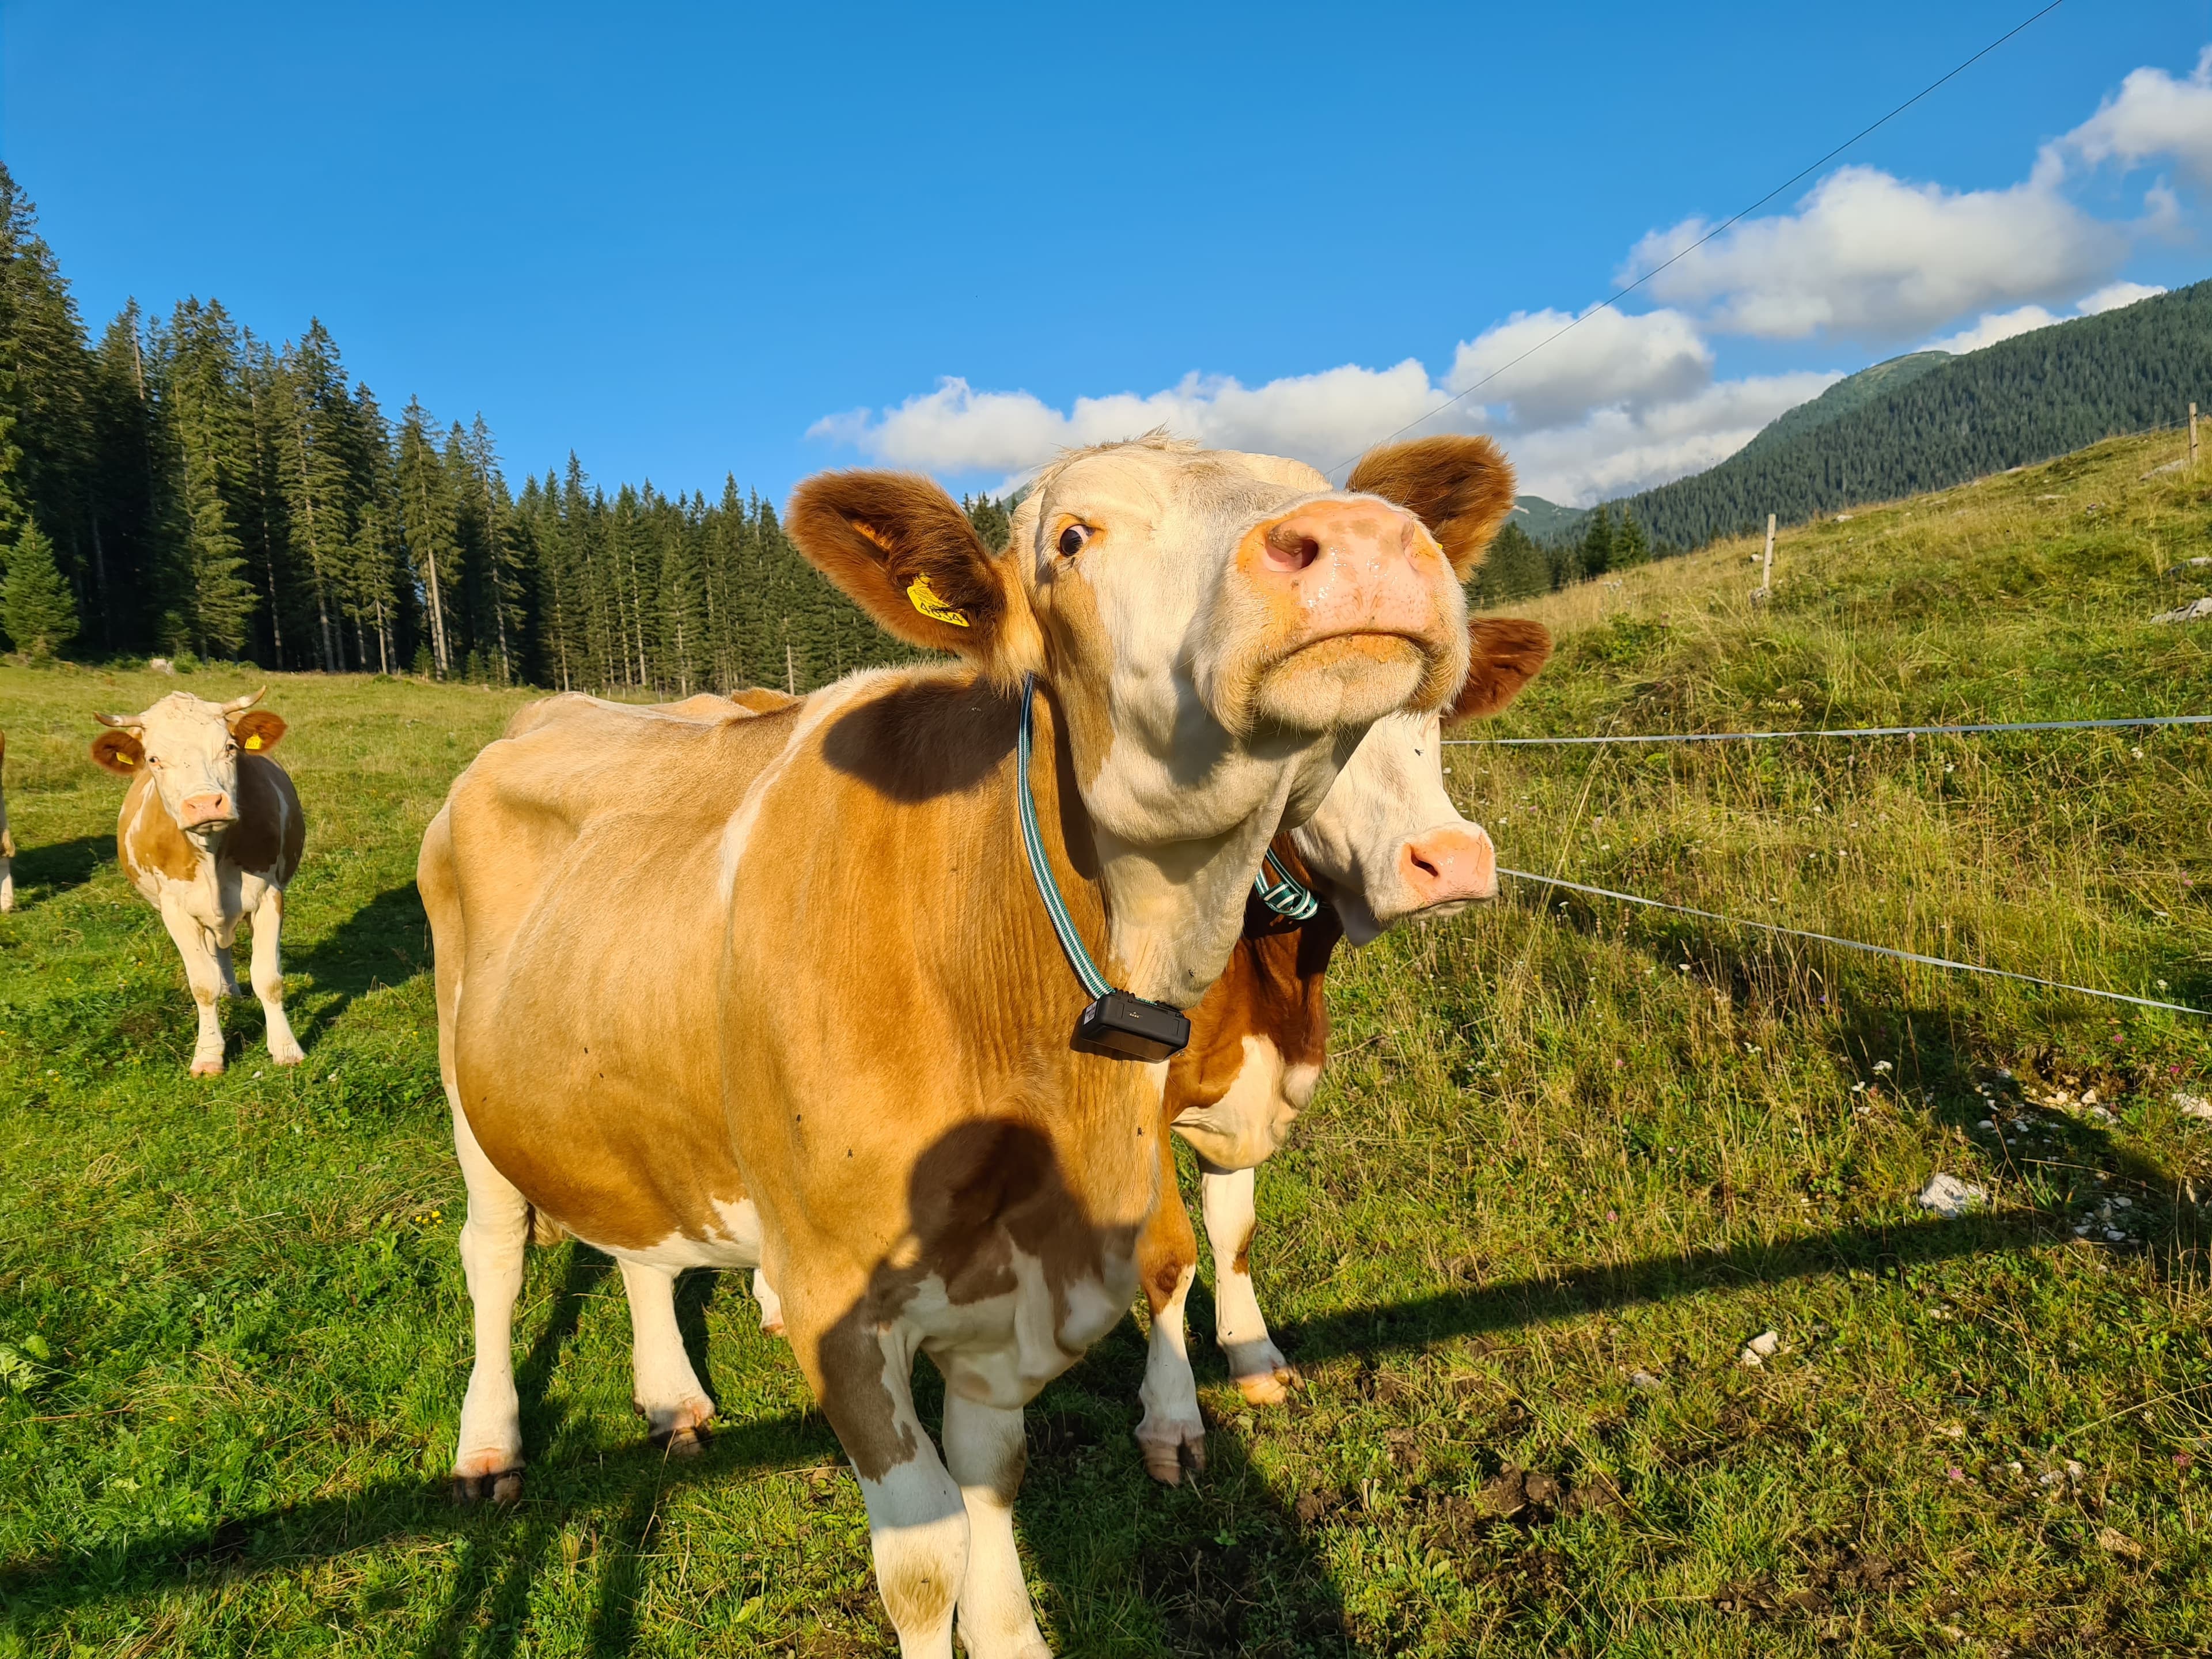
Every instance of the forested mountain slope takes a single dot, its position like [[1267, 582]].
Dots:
[[2022, 400]]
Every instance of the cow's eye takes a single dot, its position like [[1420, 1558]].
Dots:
[[1072, 538]]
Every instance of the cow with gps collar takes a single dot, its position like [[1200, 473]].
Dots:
[[789, 990]]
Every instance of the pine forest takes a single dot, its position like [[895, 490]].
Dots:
[[182, 487]]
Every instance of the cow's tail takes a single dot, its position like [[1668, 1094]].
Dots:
[[544, 1230]]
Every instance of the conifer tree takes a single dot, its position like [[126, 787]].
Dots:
[[36, 605], [429, 517], [1631, 547], [1597, 543]]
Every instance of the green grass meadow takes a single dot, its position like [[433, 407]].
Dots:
[[1569, 1159]]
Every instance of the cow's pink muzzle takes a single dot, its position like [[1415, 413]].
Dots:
[[205, 812], [1448, 866], [1351, 567]]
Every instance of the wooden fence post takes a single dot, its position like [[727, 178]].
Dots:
[[2192, 437], [1766, 571]]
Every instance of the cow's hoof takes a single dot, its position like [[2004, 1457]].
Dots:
[[1270, 1387], [1168, 1452], [773, 1327], [683, 1443], [291, 1057], [207, 1068], [681, 1429], [502, 1486]]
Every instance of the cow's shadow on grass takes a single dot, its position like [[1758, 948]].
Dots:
[[386, 942], [46, 872], [1223, 1562]]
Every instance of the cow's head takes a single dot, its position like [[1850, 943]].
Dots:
[[1219, 631], [189, 747], [1387, 845]]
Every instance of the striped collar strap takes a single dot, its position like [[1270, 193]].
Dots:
[[1115, 1021]]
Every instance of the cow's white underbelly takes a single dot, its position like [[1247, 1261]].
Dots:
[[734, 1241]]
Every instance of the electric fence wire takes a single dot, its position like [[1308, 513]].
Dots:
[[1853, 731], [1851, 943], [1683, 253]]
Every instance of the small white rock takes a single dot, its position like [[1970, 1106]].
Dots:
[[1761, 1348], [2193, 1105], [1644, 1381], [1949, 1197]]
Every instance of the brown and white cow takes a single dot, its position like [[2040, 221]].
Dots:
[[7, 841], [1387, 847], [210, 835], [779, 990]]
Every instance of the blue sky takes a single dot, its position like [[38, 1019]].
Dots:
[[691, 241]]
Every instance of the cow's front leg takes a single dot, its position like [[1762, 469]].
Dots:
[[488, 1462], [987, 1455], [226, 971], [6, 873], [1167, 1262], [1262, 1374], [269, 977], [662, 1384], [863, 1372], [195, 947]]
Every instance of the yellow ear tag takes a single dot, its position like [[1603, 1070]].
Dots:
[[254, 742], [124, 758], [923, 597]]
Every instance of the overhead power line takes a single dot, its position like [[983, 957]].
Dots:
[[1742, 213]]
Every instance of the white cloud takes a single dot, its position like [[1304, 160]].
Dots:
[[2003, 325], [2113, 295], [1996, 325], [1871, 257], [2153, 114], [1323, 418], [1609, 359], [1615, 451]]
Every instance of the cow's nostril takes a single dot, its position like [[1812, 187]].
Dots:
[[1290, 549], [1425, 867]]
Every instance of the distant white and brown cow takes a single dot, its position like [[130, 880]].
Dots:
[[779, 991], [1387, 847], [7, 840], [210, 835]]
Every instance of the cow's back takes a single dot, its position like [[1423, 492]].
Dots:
[[571, 880]]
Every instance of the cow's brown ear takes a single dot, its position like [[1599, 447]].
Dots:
[[1503, 654], [120, 752], [903, 550], [1461, 487], [257, 731]]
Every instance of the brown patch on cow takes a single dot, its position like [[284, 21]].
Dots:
[[146, 839], [258, 731], [1504, 653], [1168, 1247], [848, 1374], [1461, 487], [877, 534], [121, 753], [759, 699], [1242, 1261], [271, 831], [1274, 988]]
